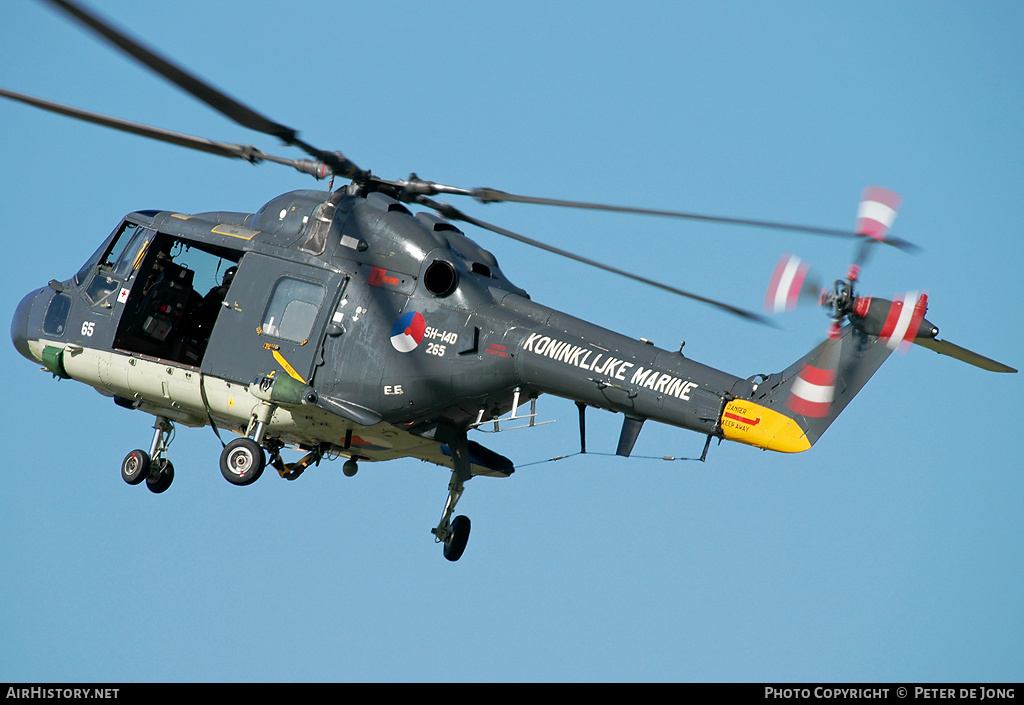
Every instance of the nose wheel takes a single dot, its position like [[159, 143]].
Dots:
[[153, 467]]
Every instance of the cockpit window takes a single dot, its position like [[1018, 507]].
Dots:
[[101, 287], [109, 252], [119, 244], [292, 309], [118, 263], [131, 257]]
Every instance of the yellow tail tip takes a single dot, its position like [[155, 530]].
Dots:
[[756, 425]]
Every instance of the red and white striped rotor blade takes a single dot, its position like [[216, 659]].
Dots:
[[786, 284], [877, 212], [904, 320]]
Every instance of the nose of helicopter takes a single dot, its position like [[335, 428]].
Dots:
[[20, 324]]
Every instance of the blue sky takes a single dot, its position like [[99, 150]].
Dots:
[[889, 552]]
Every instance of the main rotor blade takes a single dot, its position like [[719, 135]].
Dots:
[[216, 99], [490, 195], [453, 213], [486, 195], [223, 149]]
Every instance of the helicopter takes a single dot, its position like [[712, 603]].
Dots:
[[340, 323]]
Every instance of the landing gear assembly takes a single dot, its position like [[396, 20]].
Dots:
[[454, 533], [243, 460], [153, 467]]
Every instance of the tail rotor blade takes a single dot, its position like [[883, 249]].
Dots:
[[877, 212], [789, 283], [863, 250]]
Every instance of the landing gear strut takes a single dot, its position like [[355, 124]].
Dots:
[[242, 461], [153, 467], [454, 533]]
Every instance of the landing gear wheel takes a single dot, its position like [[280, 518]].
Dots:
[[242, 461], [457, 539], [160, 477], [135, 467]]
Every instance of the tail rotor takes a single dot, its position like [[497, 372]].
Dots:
[[821, 383]]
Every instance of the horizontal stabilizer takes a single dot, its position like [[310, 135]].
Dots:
[[944, 347]]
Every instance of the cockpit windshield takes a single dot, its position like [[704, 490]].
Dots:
[[114, 264]]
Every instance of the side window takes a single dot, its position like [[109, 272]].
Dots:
[[292, 309], [57, 315]]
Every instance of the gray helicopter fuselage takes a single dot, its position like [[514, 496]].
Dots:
[[374, 315]]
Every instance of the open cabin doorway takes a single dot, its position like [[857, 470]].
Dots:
[[176, 296]]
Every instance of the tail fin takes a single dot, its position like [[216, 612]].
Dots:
[[789, 411]]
